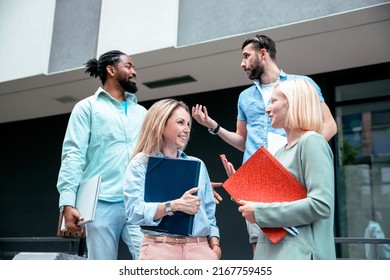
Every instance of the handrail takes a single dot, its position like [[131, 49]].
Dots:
[[38, 239], [81, 247], [362, 240], [80, 250]]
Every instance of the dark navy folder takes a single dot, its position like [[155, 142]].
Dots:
[[168, 179]]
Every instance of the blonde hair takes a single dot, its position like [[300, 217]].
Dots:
[[150, 140], [304, 108]]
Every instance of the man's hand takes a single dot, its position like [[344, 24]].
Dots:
[[199, 113], [217, 197], [72, 216]]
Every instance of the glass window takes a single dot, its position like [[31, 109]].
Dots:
[[363, 167]]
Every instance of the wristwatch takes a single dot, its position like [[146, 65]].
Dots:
[[215, 130], [168, 208]]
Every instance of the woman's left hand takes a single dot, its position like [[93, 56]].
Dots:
[[188, 203], [229, 168]]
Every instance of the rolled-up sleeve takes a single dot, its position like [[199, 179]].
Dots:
[[210, 206], [138, 211]]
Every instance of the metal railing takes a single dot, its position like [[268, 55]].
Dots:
[[351, 248], [361, 240], [76, 246]]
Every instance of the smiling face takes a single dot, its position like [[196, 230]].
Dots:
[[176, 131], [277, 109], [127, 74]]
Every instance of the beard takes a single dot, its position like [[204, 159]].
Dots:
[[257, 70], [128, 85]]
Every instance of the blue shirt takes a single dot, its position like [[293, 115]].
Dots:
[[251, 108], [99, 140], [142, 213]]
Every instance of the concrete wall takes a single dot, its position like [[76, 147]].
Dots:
[[75, 33], [25, 33], [135, 26], [202, 20], [62, 35]]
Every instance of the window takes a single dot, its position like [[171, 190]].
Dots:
[[363, 166]]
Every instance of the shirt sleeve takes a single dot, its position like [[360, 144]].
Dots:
[[318, 89], [74, 152], [209, 204], [241, 116], [138, 211]]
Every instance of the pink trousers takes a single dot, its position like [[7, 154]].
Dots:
[[157, 250]]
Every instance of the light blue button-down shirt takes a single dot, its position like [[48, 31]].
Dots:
[[142, 213], [99, 140], [251, 108]]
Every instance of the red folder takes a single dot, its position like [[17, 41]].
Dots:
[[262, 178]]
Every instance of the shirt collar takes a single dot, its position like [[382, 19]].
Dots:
[[130, 97], [180, 152], [282, 77]]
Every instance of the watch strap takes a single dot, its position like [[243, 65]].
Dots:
[[215, 130], [168, 208]]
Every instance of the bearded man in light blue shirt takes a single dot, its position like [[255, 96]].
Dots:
[[99, 140]]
